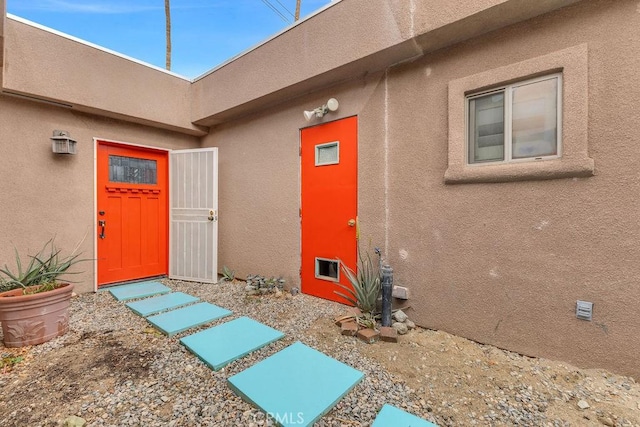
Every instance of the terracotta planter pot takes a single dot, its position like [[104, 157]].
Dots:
[[34, 319]]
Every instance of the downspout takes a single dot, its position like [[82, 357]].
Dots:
[[386, 163], [3, 11]]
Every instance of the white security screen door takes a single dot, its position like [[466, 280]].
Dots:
[[193, 229]]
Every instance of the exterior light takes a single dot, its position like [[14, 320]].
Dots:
[[61, 143], [331, 105]]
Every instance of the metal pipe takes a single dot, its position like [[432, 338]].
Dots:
[[387, 289]]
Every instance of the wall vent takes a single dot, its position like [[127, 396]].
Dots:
[[584, 310]]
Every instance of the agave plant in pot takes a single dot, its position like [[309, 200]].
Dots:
[[34, 303]]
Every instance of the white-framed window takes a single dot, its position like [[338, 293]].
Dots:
[[328, 153], [571, 159], [328, 269], [516, 122]]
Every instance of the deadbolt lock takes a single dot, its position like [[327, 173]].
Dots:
[[351, 222]]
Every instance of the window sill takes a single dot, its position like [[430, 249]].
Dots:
[[521, 171], [572, 62]]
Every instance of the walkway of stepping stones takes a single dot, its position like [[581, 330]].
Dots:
[[313, 383]]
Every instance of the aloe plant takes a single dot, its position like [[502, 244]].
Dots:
[[43, 270], [228, 275], [365, 284]]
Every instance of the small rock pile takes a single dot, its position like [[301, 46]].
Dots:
[[260, 285], [351, 324], [402, 323]]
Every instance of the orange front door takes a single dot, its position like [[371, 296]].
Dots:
[[132, 213], [329, 205]]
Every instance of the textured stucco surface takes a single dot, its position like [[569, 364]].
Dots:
[[505, 263], [39, 63], [501, 263], [3, 15], [46, 195], [259, 192], [339, 45], [574, 160]]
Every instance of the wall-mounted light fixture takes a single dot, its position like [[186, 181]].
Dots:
[[331, 105], [61, 142]]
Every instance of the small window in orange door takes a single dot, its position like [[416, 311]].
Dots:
[[328, 154], [132, 170], [328, 269]]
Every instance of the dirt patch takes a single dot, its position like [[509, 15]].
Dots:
[[112, 368], [461, 382], [57, 383]]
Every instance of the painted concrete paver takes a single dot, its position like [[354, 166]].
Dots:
[[181, 319], [222, 344], [309, 383], [149, 306], [138, 290], [390, 416]]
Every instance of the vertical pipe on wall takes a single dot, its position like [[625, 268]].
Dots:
[[3, 17], [387, 288], [386, 163]]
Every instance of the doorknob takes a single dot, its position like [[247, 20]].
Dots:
[[351, 222], [213, 216]]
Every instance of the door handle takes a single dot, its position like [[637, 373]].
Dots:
[[102, 223], [353, 222], [213, 215]]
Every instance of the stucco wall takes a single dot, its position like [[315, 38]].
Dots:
[[47, 65], [505, 263], [501, 263], [259, 175], [338, 44], [46, 195], [3, 13]]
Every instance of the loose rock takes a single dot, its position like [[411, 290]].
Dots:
[[74, 421], [400, 327], [400, 316]]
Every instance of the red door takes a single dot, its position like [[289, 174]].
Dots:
[[132, 213], [329, 205]]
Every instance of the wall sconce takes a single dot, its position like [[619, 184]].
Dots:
[[61, 143], [331, 105]]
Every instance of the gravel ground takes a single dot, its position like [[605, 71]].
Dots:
[[112, 369]]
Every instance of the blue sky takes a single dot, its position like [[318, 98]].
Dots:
[[205, 33]]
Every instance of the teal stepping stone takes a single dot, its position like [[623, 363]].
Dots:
[[149, 306], [222, 344], [181, 319], [390, 416], [296, 386], [138, 290]]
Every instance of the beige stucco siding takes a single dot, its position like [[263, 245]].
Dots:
[[498, 262], [3, 13], [259, 173], [39, 63], [46, 195], [501, 263], [505, 263], [351, 38]]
